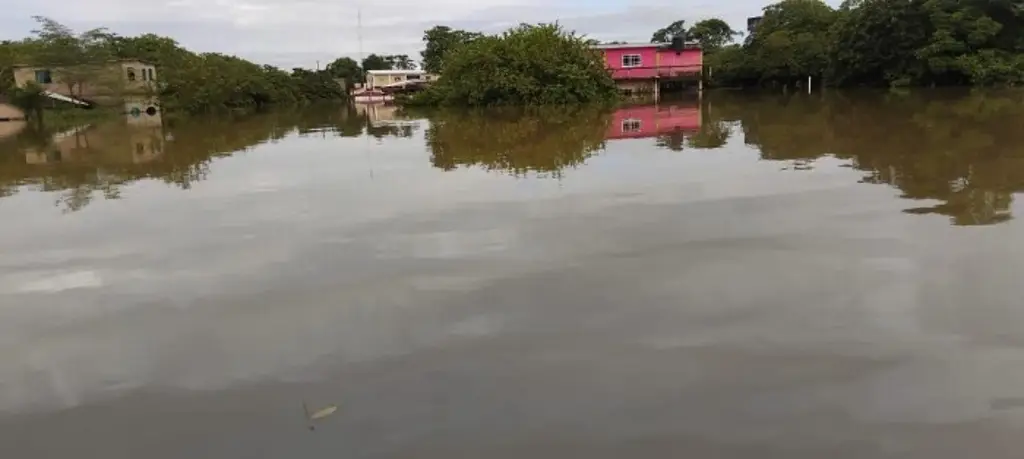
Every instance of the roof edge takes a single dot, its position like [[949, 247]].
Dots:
[[112, 61]]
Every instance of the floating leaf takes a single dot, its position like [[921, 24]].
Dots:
[[323, 413]]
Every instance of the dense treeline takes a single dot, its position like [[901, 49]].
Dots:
[[188, 81], [879, 43]]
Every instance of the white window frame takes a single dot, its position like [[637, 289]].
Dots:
[[629, 57], [632, 125]]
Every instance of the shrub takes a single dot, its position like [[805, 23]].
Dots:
[[527, 65]]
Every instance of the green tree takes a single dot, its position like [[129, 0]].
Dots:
[[876, 42], [439, 41], [13, 53], [922, 42], [792, 41], [712, 34], [528, 65], [664, 35], [76, 59], [375, 62], [31, 100], [346, 69], [400, 62], [197, 83]]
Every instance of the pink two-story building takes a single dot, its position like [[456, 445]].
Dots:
[[645, 67]]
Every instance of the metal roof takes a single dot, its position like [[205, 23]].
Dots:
[[396, 72], [108, 61], [628, 45], [688, 45]]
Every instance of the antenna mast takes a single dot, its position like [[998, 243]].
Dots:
[[359, 32]]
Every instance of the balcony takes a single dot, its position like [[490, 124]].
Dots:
[[645, 73]]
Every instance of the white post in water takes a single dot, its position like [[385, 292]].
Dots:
[[808, 84]]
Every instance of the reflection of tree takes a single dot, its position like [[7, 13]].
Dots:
[[516, 141], [344, 121], [712, 134], [389, 130], [963, 149], [105, 158], [675, 140]]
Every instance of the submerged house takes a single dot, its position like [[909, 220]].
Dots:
[[381, 85], [384, 78], [102, 83], [646, 67]]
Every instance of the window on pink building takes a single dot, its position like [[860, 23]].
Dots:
[[630, 60], [631, 125]]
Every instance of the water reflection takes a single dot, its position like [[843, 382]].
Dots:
[[956, 153], [87, 161], [960, 149], [515, 141]]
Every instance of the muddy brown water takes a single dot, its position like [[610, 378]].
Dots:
[[734, 277]]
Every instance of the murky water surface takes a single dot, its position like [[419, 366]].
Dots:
[[739, 277]]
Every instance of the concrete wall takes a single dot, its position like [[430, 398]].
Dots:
[[112, 80], [648, 56], [654, 61], [635, 87], [376, 79], [142, 111], [690, 58]]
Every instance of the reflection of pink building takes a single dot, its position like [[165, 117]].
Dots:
[[641, 67], [653, 120]]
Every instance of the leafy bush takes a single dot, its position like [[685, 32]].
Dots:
[[527, 65]]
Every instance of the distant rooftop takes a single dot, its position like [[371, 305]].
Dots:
[[109, 61], [688, 45], [396, 72], [627, 45]]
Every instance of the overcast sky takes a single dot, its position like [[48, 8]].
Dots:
[[290, 33]]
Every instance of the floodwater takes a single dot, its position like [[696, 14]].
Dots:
[[739, 277]]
